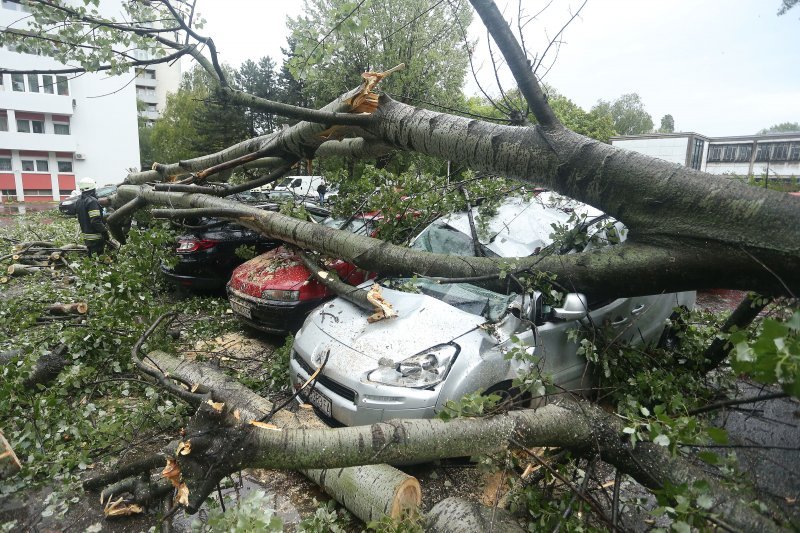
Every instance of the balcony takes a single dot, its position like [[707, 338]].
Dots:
[[37, 102], [46, 142]]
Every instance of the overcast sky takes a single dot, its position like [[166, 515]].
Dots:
[[720, 67]]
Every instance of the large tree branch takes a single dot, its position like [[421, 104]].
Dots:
[[517, 62]]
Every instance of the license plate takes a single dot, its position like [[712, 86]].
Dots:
[[241, 309], [318, 400]]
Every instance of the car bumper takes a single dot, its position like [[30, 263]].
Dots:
[[272, 316], [68, 210], [349, 401], [197, 281]]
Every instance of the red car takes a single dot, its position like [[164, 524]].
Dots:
[[274, 291]]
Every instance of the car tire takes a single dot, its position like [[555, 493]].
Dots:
[[510, 397]]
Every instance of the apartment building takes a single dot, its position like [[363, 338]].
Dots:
[[58, 128], [776, 155]]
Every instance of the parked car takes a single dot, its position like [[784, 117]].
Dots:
[[450, 339], [274, 291], [207, 253], [296, 187], [67, 206]]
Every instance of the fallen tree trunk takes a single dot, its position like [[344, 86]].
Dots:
[[369, 492], [78, 308], [9, 463]]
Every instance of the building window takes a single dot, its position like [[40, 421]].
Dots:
[[38, 192], [145, 91], [33, 83], [18, 83], [714, 153], [743, 152], [62, 85], [729, 153], [151, 108], [60, 129], [5, 163], [64, 192], [697, 153], [9, 192], [65, 166], [780, 152], [3, 123], [47, 84], [30, 126], [28, 165], [794, 154], [42, 165], [16, 5], [148, 74]]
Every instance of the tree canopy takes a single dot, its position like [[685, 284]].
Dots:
[[628, 114]]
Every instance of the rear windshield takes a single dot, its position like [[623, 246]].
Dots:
[[440, 238]]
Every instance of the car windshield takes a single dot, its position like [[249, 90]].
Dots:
[[105, 191], [440, 238], [464, 296]]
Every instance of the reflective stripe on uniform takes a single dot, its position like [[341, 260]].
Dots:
[[92, 236], [94, 213]]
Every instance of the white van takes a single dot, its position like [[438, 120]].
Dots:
[[304, 186]]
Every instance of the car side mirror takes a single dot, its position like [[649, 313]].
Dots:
[[575, 307]]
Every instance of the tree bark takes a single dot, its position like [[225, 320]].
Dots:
[[456, 515], [369, 492]]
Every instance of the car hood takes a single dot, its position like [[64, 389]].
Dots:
[[421, 322], [276, 269]]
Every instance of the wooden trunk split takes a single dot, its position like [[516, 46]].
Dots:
[[78, 308], [9, 464]]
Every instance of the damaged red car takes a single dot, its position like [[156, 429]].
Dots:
[[274, 291]]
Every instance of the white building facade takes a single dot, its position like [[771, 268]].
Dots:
[[775, 156], [58, 128]]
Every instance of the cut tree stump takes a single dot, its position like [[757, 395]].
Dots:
[[22, 270], [369, 492], [9, 464]]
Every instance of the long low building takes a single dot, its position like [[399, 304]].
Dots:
[[776, 155]]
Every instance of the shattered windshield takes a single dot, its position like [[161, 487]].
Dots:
[[464, 296], [440, 238], [358, 226]]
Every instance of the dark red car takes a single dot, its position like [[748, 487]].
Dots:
[[274, 291]]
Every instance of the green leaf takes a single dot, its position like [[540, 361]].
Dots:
[[718, 435]]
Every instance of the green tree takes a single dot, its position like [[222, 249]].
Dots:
[[628, 114], [183, 130], [260, 79], [783, 127], [336, 40], [667, 124]]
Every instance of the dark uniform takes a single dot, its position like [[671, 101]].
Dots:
[[90, 218]]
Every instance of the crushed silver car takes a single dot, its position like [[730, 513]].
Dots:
[[452, 339]]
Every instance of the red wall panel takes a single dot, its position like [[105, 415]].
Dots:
[[36, 181], [7, 181], [66, 181]]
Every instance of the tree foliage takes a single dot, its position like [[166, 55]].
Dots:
[[628, 114], [783, 127], [334, 41], [667, 124]]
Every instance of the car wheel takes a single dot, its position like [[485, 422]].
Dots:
[[670, 339], [510, 397]]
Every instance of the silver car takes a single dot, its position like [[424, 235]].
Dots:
[[452, 339]]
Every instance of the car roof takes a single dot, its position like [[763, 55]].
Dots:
[[521, 226]]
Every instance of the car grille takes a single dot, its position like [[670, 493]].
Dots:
[[325, 381]]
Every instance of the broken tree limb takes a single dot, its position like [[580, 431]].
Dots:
[[9, 463], [455, 515], [78, 308], [369, 492], [740, 318], [23, 270]]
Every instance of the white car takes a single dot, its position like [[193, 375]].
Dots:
[[452, 339]]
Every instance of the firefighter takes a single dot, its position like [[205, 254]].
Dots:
[[90, 217]]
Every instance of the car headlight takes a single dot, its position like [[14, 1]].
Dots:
[[425, 369], [284, 296]]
